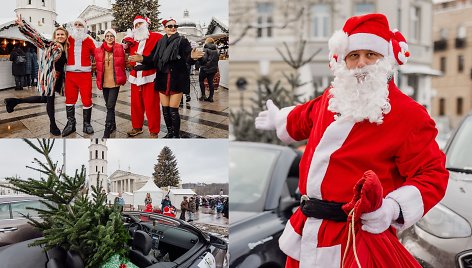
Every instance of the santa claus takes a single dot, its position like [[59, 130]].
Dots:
[[143, 97], [362, 122], [79, 76]]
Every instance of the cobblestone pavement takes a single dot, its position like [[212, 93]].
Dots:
[[199, 119]]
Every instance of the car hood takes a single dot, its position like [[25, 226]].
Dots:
[[239, 216], [459, 194]]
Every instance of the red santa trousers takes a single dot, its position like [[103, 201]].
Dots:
[[145, 100], [79, 82]]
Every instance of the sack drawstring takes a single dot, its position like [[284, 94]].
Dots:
[[351, 230]]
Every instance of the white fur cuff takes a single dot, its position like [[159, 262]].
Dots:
[[281, 125], [411, 205]]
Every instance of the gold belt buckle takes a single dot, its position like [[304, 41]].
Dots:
[[304, 198]]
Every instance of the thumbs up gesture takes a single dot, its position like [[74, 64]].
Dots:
[[266, 119]]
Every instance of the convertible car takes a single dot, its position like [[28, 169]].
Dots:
[[157, 242]]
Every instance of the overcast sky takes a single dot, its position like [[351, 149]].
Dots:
[[198, 160], [200, 11]]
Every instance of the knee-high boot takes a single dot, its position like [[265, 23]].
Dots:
[[168, 121], [88, 129], [175, 117], [70, 126], [52, 118]]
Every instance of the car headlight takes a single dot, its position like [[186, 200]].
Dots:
[[444, 223]]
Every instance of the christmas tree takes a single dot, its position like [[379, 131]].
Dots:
[[73, 220], [166, 172], [124, 12]]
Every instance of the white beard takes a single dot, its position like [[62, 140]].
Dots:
[[78, 34], [141, 33], [361, 94]]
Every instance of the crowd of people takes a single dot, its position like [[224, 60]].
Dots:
[[159, 74]]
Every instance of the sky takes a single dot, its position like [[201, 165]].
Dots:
[[202, 12], [197, 160]]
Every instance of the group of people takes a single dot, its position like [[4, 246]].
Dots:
[[160, 74], [24, 66]]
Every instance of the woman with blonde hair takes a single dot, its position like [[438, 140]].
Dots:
[[51, 74]]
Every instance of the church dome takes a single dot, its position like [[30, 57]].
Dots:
[[186, 21]]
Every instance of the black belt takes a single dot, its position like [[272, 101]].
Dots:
[[143, 67], [320, 209]]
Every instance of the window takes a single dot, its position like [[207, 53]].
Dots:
[[364, 8], [320, 20], [44, 3], [96, 154], [415, 23], [96, 168], [442, 106], [442, 65], [460, 63], [102, 169], [42, 20], [264, 19], [96, 141], [29, 19], [460, 104], [29, 2], [103, 154], [90, 155]]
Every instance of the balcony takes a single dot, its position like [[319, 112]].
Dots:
[[460, 42], [440, 45]]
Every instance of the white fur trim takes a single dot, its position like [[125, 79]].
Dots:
[[368, 42], [403, 45], [338, 44], [141, 80], [113, 32], [402, 58], [309, 245], [78, 68], [333, 138], [290, 241], [138, 20], [281, 125], [85, 108], [411, 204]]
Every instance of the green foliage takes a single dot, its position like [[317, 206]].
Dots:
[[166, 172], [243, 119], [73, 220], [124, 12]]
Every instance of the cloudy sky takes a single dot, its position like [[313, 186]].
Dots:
[[198, 160], [200, 11]]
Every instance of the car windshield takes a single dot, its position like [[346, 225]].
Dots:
[[250, 170], [459, 153]]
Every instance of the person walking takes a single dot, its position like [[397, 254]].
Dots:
[[170, 56], [51, 71], [35, 67], [28, 67], [183, 208], [111, 74], [362, 123], [208, 68], [18, 66], [191, 209]]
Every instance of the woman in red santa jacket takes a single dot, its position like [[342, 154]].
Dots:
[[50, 73], [111, 74], [362, 122], [79, 76]]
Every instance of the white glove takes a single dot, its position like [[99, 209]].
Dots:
[[266, 119], [378, 221]]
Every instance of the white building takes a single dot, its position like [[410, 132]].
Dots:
[[98, 164], [7, 191], [125, 181], [98, 18], [258, 28], [41, 14]]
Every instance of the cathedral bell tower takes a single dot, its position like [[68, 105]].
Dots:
[[98, 164]]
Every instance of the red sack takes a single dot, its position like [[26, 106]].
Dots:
[[368, 250]]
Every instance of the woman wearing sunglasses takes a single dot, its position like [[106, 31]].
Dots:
[[51, 74], [111, 74], [171, 56]]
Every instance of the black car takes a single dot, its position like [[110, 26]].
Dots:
[[263, 187], [158, 242]]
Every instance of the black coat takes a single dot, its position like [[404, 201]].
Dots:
[[178, 69], [18, 66], [209, 62]]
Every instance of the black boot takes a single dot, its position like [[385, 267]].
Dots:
[[168, 121], [175, 117], [188, 98], [108, 130], [53, 129], [88, 129], [70, 126], [10, 104]]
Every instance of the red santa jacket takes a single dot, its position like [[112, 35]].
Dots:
[[118, 64], [79, 55], [143, 47], [402, 151]]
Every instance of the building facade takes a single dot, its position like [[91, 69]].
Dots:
[[260, 27], [453, 56], [41, 14], [98, 164], [7, 191], [125, 181], [98, 18]]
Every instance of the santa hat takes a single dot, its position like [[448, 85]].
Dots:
[[139, 18], [82, 21], [113, 32], [164, 22], [368, 32]]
